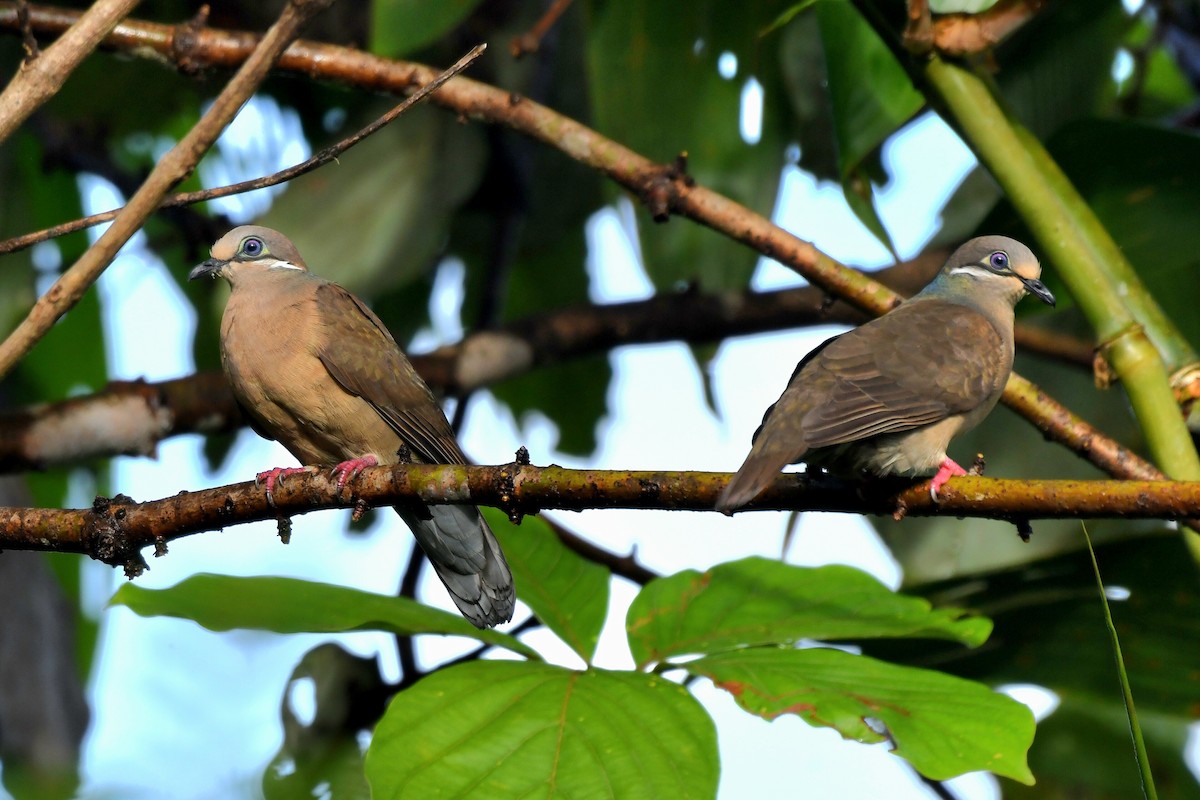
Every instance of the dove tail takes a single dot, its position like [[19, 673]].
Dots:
[[466, 556], [756, 474]]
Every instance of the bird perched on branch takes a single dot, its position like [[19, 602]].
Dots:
[[886, 398], [314, 368]]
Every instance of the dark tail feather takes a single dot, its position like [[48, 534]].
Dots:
[[756, 474], [467, 557]]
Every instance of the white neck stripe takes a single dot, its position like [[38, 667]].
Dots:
[[278, 264], [971, 269]]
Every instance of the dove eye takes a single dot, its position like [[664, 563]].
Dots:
[[253, 246], [998, 260]]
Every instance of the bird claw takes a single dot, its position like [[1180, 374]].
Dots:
[[271, 477], [945, 472], [348, 470]]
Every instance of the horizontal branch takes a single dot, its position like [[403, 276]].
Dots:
[[130, 418], [116, 530]]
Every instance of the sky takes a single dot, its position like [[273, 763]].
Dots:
[[183, 712]]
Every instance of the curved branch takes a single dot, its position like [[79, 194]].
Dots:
[[116, 530], [664, 189], [130, 418]]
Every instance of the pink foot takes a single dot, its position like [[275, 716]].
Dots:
[[347, 470], [274, 476], [945, 472]]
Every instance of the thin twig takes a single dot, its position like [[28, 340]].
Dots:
[[319, 159], [531, 40]]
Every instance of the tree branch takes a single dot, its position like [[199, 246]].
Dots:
[[665, 190], [174, 167], [130, 418], [116, 530]]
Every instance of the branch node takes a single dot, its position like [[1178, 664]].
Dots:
[[661, 188], [134, 566], [284, 527], [1102, 372], [108, 541], [185, 43], [522, 456], [1024, 529], [28, 41]]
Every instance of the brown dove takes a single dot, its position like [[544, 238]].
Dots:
[[314, 368], [886, 398]]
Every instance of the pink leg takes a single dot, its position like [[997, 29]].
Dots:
[[347, 470], [276, 475], [945, 472]]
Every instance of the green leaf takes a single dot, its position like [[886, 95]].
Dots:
[[396, 193], [870, 95], [321, 756], [689, 107], [759, 601], [788, 14], [944, 726], [1049, 627], [289, 605], [566, 591], [502, 729], [1059, 67], [1083, 750], [399, 27]]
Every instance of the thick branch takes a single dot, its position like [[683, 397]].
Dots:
[[176, 165], [116, 530], [665, 190], [131, 418]]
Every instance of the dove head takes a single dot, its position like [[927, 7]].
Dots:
[[249, 249], [991, 266]]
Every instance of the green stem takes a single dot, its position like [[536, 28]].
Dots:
[[1135, 334], [1135, 729], [1129, 324]]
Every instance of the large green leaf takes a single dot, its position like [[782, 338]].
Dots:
[[1083, 749], [568, 593], [759, 601], [944, 726], [378, 218], [1058, 68], [502, 729], [399, 27], [321, 755], [871, 97], [1049, 628], [289, 605], [1143, 181], [689, 107]]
